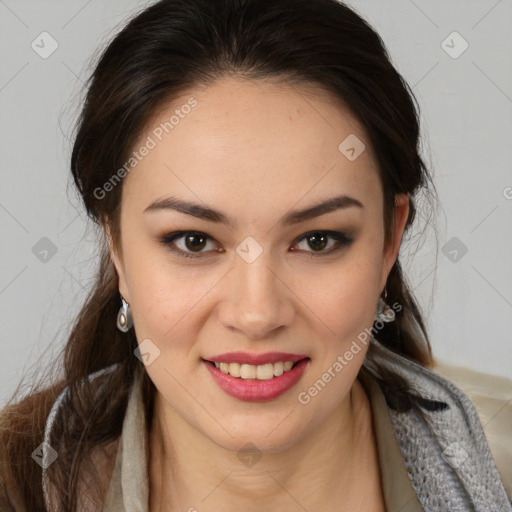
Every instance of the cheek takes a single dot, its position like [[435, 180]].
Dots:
[[167, 304], [342, 299]]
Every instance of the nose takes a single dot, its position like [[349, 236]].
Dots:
[[257, 301]]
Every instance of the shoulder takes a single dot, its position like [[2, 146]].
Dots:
[[492, 398]]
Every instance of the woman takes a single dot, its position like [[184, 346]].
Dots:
[[251, 342]]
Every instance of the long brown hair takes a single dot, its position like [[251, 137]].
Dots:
[[162, 52]]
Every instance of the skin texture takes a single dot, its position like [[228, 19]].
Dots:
[[256, 150]]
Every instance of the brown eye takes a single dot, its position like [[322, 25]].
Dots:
[[193, 242], [318, 240]]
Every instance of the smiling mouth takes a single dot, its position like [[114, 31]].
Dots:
[[257, 383], [265, 371]]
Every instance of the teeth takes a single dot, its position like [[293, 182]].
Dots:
[[261, 372]]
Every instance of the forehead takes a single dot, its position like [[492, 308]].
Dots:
[[253, 141]]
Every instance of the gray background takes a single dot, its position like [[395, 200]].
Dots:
[[466, 102]]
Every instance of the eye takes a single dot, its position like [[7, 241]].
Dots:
[[195, 241], [318, 240]]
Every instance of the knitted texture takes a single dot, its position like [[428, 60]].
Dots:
[[441, 439]]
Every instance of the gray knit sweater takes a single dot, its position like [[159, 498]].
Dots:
[[441, 439]]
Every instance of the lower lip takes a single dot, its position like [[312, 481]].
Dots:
[[254, 390]]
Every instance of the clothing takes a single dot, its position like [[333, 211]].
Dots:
[[433, 456]]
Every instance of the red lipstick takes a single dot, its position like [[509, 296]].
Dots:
[[255, 390]]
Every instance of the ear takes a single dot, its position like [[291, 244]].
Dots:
[[118, 264], [391, 252]]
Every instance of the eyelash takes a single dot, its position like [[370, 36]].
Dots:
[[340, 237]]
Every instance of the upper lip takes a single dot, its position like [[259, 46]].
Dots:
[[255, 359]]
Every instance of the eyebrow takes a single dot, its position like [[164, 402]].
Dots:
[[291, 218]]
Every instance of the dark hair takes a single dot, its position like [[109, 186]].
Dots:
[[161, 53]]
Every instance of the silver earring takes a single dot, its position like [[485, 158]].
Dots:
[[124, 317], [384, 312]]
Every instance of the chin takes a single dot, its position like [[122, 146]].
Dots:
[[257, 438]]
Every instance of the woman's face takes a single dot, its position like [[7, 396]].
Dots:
[[255, 153]]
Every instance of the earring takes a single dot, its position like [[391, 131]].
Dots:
[[124, 317], [384, 312]]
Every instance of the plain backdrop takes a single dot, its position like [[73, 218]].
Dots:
[[457, 57]]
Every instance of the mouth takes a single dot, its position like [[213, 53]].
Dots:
[[252, 372], [256, 384]]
